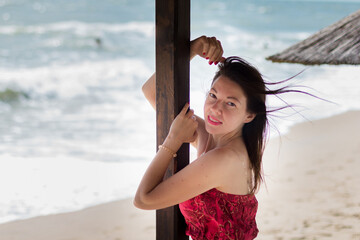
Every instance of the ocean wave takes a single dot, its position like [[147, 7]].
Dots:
[[147, 29], [254, 42], [72, 80]]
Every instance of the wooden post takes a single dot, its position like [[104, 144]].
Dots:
[[172, 92]]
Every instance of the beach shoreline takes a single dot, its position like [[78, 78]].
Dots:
[[311, 192]]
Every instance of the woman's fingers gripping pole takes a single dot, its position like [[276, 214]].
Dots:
[[205, 46], [189, 113], [220, 52], [185, 109], [192, 124], [184, 125], [212, 49]]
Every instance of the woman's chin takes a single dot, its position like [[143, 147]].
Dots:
[[211, 129]]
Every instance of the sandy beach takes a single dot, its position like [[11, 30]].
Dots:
[[312, 192]]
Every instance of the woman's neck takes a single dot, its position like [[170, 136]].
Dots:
[[216, 141]]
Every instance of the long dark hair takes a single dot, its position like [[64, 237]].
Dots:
[[255, 132]]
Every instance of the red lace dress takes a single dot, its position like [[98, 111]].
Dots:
[[218, 215]]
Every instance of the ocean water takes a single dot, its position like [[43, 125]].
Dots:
[[75, 130]]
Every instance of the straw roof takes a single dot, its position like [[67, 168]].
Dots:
[[336, 44]]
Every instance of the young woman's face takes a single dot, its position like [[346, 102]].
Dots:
[[225, 107]]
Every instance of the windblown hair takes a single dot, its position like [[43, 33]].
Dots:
[[255, 132]]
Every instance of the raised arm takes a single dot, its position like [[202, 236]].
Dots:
[[149, 90], [208, 48], [211, 50]]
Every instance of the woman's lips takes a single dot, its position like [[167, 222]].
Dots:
[[213, 121]]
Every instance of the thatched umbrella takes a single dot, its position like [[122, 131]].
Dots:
[[336, 44]]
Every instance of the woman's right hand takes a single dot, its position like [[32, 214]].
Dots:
[[183, 128], [208, 48]]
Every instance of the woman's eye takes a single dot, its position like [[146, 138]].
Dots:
[[231, 104], [212, 95]]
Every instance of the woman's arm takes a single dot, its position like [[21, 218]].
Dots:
[[208, 48], [149, 90], [207, 172]]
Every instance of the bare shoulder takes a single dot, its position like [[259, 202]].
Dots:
[[235, 170], [225, 158]]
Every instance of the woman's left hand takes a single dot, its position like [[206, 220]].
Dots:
[[207, 47], [183, 128]]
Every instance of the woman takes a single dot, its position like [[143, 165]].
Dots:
[[216, 191]]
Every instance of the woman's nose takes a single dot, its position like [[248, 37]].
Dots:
[[216, 107]]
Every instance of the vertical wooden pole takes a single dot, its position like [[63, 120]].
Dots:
[[172, 92]]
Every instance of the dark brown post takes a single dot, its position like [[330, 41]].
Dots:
[[172, 92]]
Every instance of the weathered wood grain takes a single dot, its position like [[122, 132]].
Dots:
[[172, 92]]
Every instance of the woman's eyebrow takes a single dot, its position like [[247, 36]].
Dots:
[[234, 99], [230, 97]]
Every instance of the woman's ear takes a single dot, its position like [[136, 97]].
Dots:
[[249, 117]]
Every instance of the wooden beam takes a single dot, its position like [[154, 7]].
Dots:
[[172, 92]]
